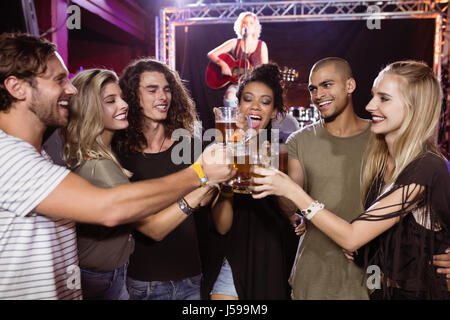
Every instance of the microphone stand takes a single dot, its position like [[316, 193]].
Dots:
[[245, 54]]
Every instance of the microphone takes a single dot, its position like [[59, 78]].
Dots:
[[244, 33]]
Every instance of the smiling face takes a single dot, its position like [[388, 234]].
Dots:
[[115, 109], [51, 94], [257, 101], [154, 95], [330, 92], [387, 106]]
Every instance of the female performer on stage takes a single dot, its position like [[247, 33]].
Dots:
[[246, 46]]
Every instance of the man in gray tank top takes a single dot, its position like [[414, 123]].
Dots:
[[325, 159]]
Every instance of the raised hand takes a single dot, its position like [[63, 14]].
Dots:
[[349, 254], [271, 182], [217, 163], [226, 71], [443, 262], [298, 223]]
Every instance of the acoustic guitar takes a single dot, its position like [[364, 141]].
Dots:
[[216, 80], [214, 77]]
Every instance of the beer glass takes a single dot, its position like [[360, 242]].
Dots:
[[262, 160], [283, 158], [249, 154], [241, 164], [226, 129], [225, 118]]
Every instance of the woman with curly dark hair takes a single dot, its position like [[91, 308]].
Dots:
[[253, 244], [165, 264]]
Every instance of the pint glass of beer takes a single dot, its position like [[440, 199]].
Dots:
[[226, 129], [248, 155], [241, 164], [283, 158], [225, 118], [237, 140]]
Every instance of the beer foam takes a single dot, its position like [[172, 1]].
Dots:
[[225, 121]]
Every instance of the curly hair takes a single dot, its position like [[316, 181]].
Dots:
[[23, 56], [270, 75], [181, 114]]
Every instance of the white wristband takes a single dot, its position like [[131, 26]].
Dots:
[[313, 208]]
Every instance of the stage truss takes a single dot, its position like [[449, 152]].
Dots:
[[222, 11]]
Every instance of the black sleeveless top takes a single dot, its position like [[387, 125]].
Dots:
[[260, 247], [177, 256], [405, 252]]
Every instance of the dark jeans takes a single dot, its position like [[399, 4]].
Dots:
[[109, 285], [184, 289]]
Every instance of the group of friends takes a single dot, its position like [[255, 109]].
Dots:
[[123, 220]]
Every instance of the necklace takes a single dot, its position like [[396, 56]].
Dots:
[[162, 144]]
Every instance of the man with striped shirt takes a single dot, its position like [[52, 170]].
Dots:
[[39, 200]]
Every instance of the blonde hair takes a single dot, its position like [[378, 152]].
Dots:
[[422, 96], [82, 136], [238, 23]]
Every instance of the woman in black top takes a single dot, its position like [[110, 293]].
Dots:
[[405, 187], [253, 237]]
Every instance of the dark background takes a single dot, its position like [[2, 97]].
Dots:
[[294, 44], [299, 45], [11, 16]]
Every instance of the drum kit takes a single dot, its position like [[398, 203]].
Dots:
[[305, 115]]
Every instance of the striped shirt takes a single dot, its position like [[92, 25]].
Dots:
[[38, 254]]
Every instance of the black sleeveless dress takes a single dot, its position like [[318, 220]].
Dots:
[[404, 253], [260, 248]]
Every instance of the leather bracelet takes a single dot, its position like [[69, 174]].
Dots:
[[185, 207]]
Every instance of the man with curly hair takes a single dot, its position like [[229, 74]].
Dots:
[[166, 261]]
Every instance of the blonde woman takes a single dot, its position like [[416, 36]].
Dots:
[[405, 187], [246, 45], [95, 114]]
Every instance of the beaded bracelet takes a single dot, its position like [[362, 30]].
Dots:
[[313, 208]]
